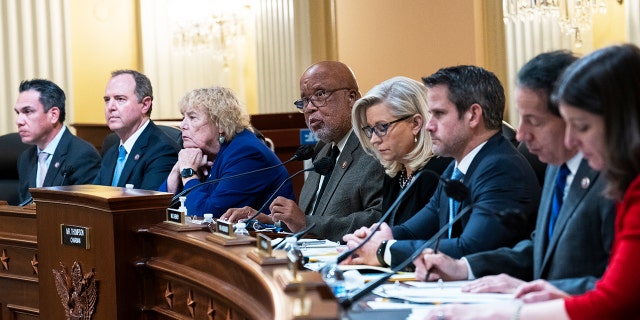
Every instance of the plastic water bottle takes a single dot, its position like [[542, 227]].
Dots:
[[183, 209], [241, 229], [334, 278], [208, 219], [294, 253]]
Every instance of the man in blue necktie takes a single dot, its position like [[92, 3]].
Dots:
[[466, 105], [574, 230], [145, 155]]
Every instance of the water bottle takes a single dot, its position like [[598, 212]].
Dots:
[[241, 229], [294, 254], [334, 278], [208, 219]]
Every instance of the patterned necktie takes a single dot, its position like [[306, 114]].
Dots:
[[558, 196], [42, 167], [453, 204], [122, 156], [335, 152]]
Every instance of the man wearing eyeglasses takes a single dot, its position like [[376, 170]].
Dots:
[[351, 197]]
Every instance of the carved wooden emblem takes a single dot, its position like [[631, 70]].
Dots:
[[78, 293]]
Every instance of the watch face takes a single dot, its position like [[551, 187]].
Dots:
[[187, 172]]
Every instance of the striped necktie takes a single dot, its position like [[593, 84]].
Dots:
[[453, 204]]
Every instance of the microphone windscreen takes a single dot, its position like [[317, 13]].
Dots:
[[323, 166], [455, 189], [304, 152]]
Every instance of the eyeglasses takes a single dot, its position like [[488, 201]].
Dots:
[[318, 99], [381, 128]]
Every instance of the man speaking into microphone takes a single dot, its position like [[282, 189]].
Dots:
[[351, 195], [466, 105]]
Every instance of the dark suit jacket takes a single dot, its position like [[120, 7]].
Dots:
[[418, 194], [353, 195], [499, 178], [148, 164], [578, 252], [74, 161]]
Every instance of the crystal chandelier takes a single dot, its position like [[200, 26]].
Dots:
[[573, 16]]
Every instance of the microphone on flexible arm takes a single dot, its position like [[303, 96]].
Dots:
[[508, 217], [454, 189], [322, 166], [66, 171], [303, 152]]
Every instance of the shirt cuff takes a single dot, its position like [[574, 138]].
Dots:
[[470, 275], [387, 252]]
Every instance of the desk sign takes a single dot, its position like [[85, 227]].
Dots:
[[175, 216], [74, 236], [264, 245], [225, 228]]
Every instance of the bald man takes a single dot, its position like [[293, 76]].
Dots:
[[352, 194]]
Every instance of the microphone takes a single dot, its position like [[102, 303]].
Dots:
[[303, 152], [322, 166], [453, 188], [296, 235], [506, 216], [66, 171]]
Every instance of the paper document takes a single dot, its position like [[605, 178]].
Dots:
[[436, 293]]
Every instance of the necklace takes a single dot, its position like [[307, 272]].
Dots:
[[404, 179]]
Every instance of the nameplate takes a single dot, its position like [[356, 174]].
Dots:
[[74, 236], [175, 216], [264, 245], [225, 228]]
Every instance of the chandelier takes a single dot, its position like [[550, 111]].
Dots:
[[573, 16]]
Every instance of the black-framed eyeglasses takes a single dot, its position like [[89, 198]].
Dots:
[[318, 99], [380, 129]]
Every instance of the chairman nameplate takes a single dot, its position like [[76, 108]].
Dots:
[[75, 236]]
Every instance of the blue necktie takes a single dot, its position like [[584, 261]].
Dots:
[[558, 195], [122, 156], [453, 204]]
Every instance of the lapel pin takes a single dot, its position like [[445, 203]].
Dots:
[[136, 157], [585, 182], [56, 165], [344, 164]]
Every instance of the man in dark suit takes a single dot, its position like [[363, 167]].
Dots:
[[352, 195], [145, 155], [574, 251], [57, 157], [466, 105]]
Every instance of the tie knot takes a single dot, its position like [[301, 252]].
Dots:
[[335, 152], [43, 156], [457, 174], [122, 152]]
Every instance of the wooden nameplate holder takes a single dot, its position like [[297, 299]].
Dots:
[[175, 221], [264, 253], [224, 235]]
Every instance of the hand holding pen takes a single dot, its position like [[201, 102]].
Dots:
[[435, 251]]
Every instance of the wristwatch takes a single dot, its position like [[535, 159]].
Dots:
[[380, 253], [187, 173]]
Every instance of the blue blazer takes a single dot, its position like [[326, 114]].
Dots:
[[499, 178], [74, 161], [148, 164], [578, 252], [244, 153]]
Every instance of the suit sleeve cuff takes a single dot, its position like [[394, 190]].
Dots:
[[470, 275], [387, 252]]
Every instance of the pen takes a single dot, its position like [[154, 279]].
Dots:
[[435, 251]]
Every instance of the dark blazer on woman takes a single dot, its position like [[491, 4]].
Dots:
[[417, 196]]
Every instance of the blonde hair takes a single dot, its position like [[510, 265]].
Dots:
[[221, 106], [404, 97]]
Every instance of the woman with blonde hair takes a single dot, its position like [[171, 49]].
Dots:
[[390, 124], [218, 143]]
